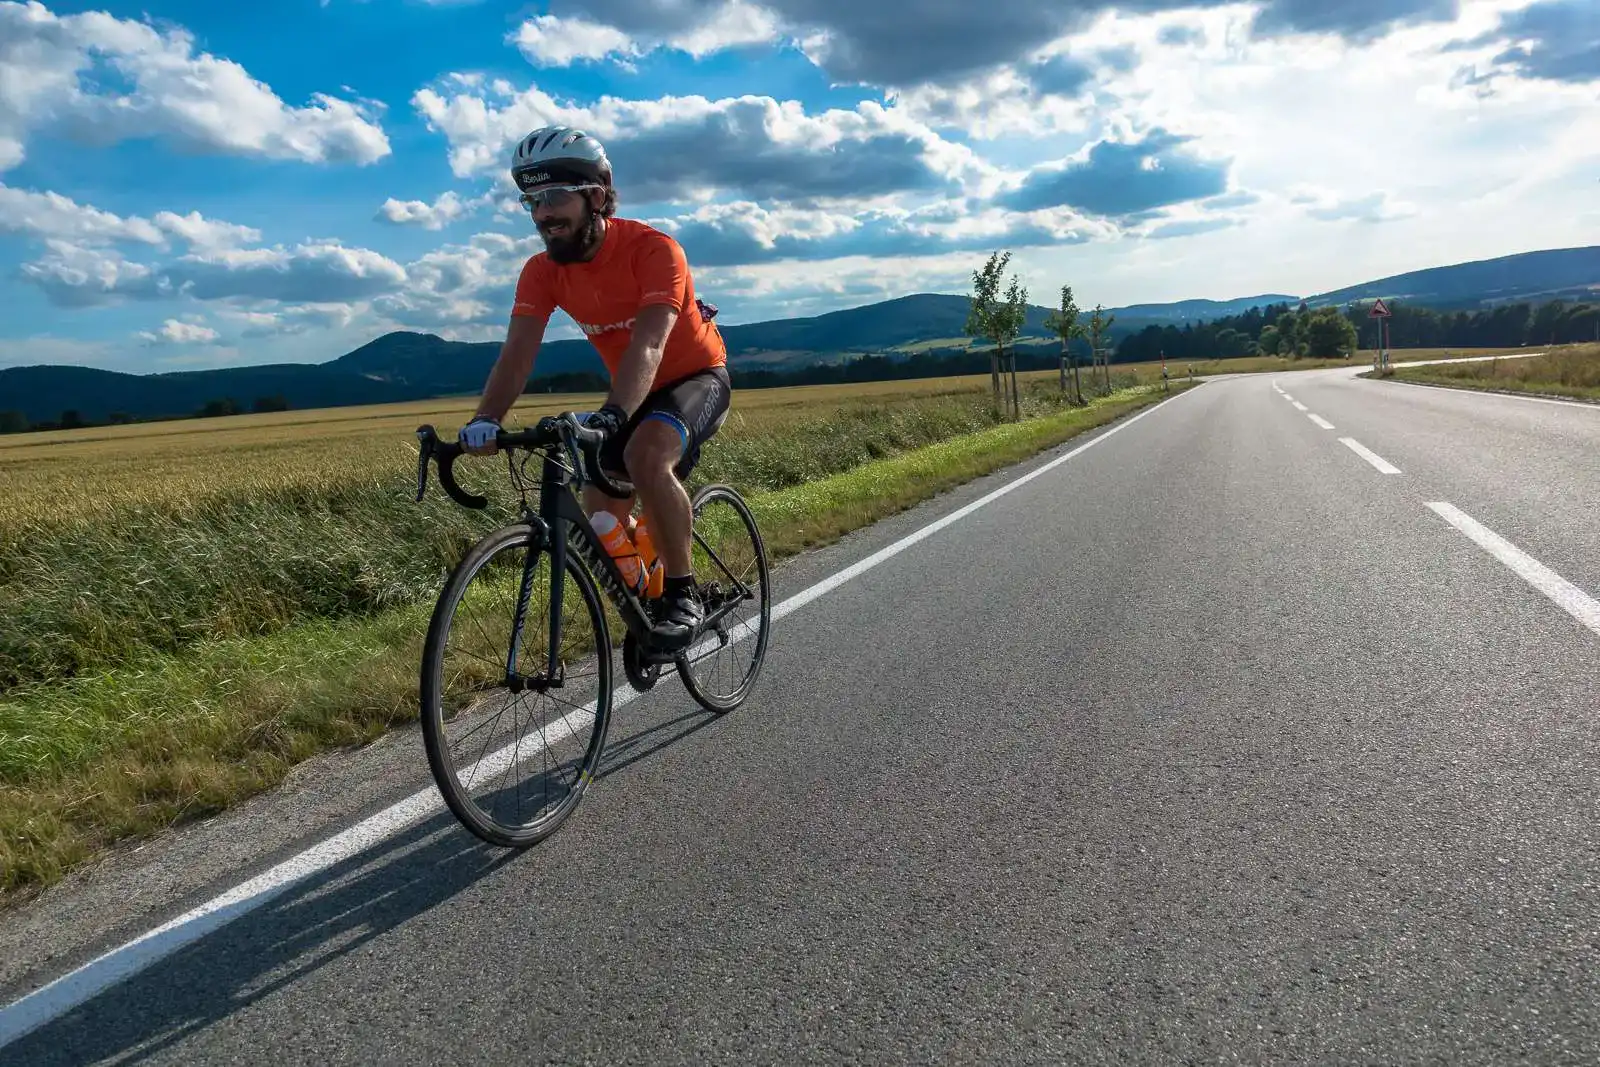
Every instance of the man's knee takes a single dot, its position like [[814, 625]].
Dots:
[[653, 450]]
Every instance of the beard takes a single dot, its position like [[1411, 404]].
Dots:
[[578, 244]]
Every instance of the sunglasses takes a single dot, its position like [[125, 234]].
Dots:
[[554, 196]]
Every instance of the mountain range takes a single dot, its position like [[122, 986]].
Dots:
[[405, 365]]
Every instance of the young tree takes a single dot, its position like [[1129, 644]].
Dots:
[[1016, 309], [1065, 325], [1099, 327], [995, 320]]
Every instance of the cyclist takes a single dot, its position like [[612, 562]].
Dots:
[[628, 287]]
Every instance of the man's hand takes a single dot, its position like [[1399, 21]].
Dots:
[[478, 436], [609, 419]]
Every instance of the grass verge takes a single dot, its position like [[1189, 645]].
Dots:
[[116, 755], [1569, 372]]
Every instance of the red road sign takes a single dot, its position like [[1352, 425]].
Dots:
[[1380, 310]]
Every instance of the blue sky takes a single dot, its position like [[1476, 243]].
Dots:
[[188, 184]]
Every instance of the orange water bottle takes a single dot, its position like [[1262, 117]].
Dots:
[[615, 538], [655, 573]]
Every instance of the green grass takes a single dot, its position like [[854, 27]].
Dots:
[[1571, 371], [117, 750]]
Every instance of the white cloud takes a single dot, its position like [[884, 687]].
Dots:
[[206, 233], [683, 147], [179, 333], [195, 100], [553, 41], [49, 215], [73, 275], [448, 207], [733, 25], [548, 41]]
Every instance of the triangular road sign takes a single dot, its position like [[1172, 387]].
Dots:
[[1380, 310]]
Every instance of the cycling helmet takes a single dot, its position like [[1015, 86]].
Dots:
[[560, 154]]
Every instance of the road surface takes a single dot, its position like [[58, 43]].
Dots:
[[1238, 736]]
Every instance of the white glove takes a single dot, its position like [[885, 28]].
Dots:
[[479, 434]]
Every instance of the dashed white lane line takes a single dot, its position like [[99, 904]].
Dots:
[[1383, 465], [74, 988], [1319, 420], [1301, 406], [1568, 597]]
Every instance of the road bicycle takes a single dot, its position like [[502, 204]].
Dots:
[[496, 672]]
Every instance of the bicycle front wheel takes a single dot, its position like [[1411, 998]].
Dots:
[[513, 737], [730, 568]]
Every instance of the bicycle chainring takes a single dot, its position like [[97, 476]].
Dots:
[[641, 674]]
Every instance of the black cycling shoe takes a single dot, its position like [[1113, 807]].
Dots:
[[678, 619]]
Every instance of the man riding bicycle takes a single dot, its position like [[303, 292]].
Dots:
[[627, 285]]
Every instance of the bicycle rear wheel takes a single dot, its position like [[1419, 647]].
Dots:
[[730, 567], [492, 703]]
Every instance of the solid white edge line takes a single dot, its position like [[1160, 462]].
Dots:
[[1568, 597], [1482, 392], [1319, 420], [60, 996], [1383, 465]]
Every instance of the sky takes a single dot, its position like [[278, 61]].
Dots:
[[187, 184]]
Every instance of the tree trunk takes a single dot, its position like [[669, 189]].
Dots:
[[1063, 368], [1077, 381], [994, 375]]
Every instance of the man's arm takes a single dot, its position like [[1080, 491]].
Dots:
[[637, 369], [509, 376]]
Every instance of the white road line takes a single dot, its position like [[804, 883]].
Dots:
[[1568, 597], [1289, 398], [1370, 456], [1467, 391], [70, 990], [1301, 406], [1319, 420]]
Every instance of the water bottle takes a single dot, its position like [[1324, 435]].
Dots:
[[655, 573], [615, 538]]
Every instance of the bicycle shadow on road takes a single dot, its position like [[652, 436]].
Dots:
[[324, 919]]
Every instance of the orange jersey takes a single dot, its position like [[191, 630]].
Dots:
[[637, 266]]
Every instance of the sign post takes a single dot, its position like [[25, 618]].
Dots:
[[1380, 311]]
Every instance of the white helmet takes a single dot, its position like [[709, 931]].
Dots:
[[560, 154]]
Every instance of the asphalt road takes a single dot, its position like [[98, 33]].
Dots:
[[1212, 744]]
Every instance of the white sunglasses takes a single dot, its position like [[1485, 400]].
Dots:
[[556, 196]]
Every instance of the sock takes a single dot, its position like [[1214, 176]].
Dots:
[[677, 583]]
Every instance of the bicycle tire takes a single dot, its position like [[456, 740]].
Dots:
[[435, 741], [699, 691]]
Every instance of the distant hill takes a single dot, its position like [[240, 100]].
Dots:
[[405, 365], [1569, 273]]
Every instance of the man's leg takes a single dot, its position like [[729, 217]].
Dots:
[[655, 448]]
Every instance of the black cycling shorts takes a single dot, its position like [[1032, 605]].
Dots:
[[695, 405]]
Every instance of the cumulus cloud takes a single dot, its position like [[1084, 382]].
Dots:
[[743, 232], [47, 215], [548, 41], [174, 332], [923, 42], [687, 147], [51, 215], [59, 70], [1554, 40], [554, 41], [1122, 179], [73, 275], [447, 208]]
